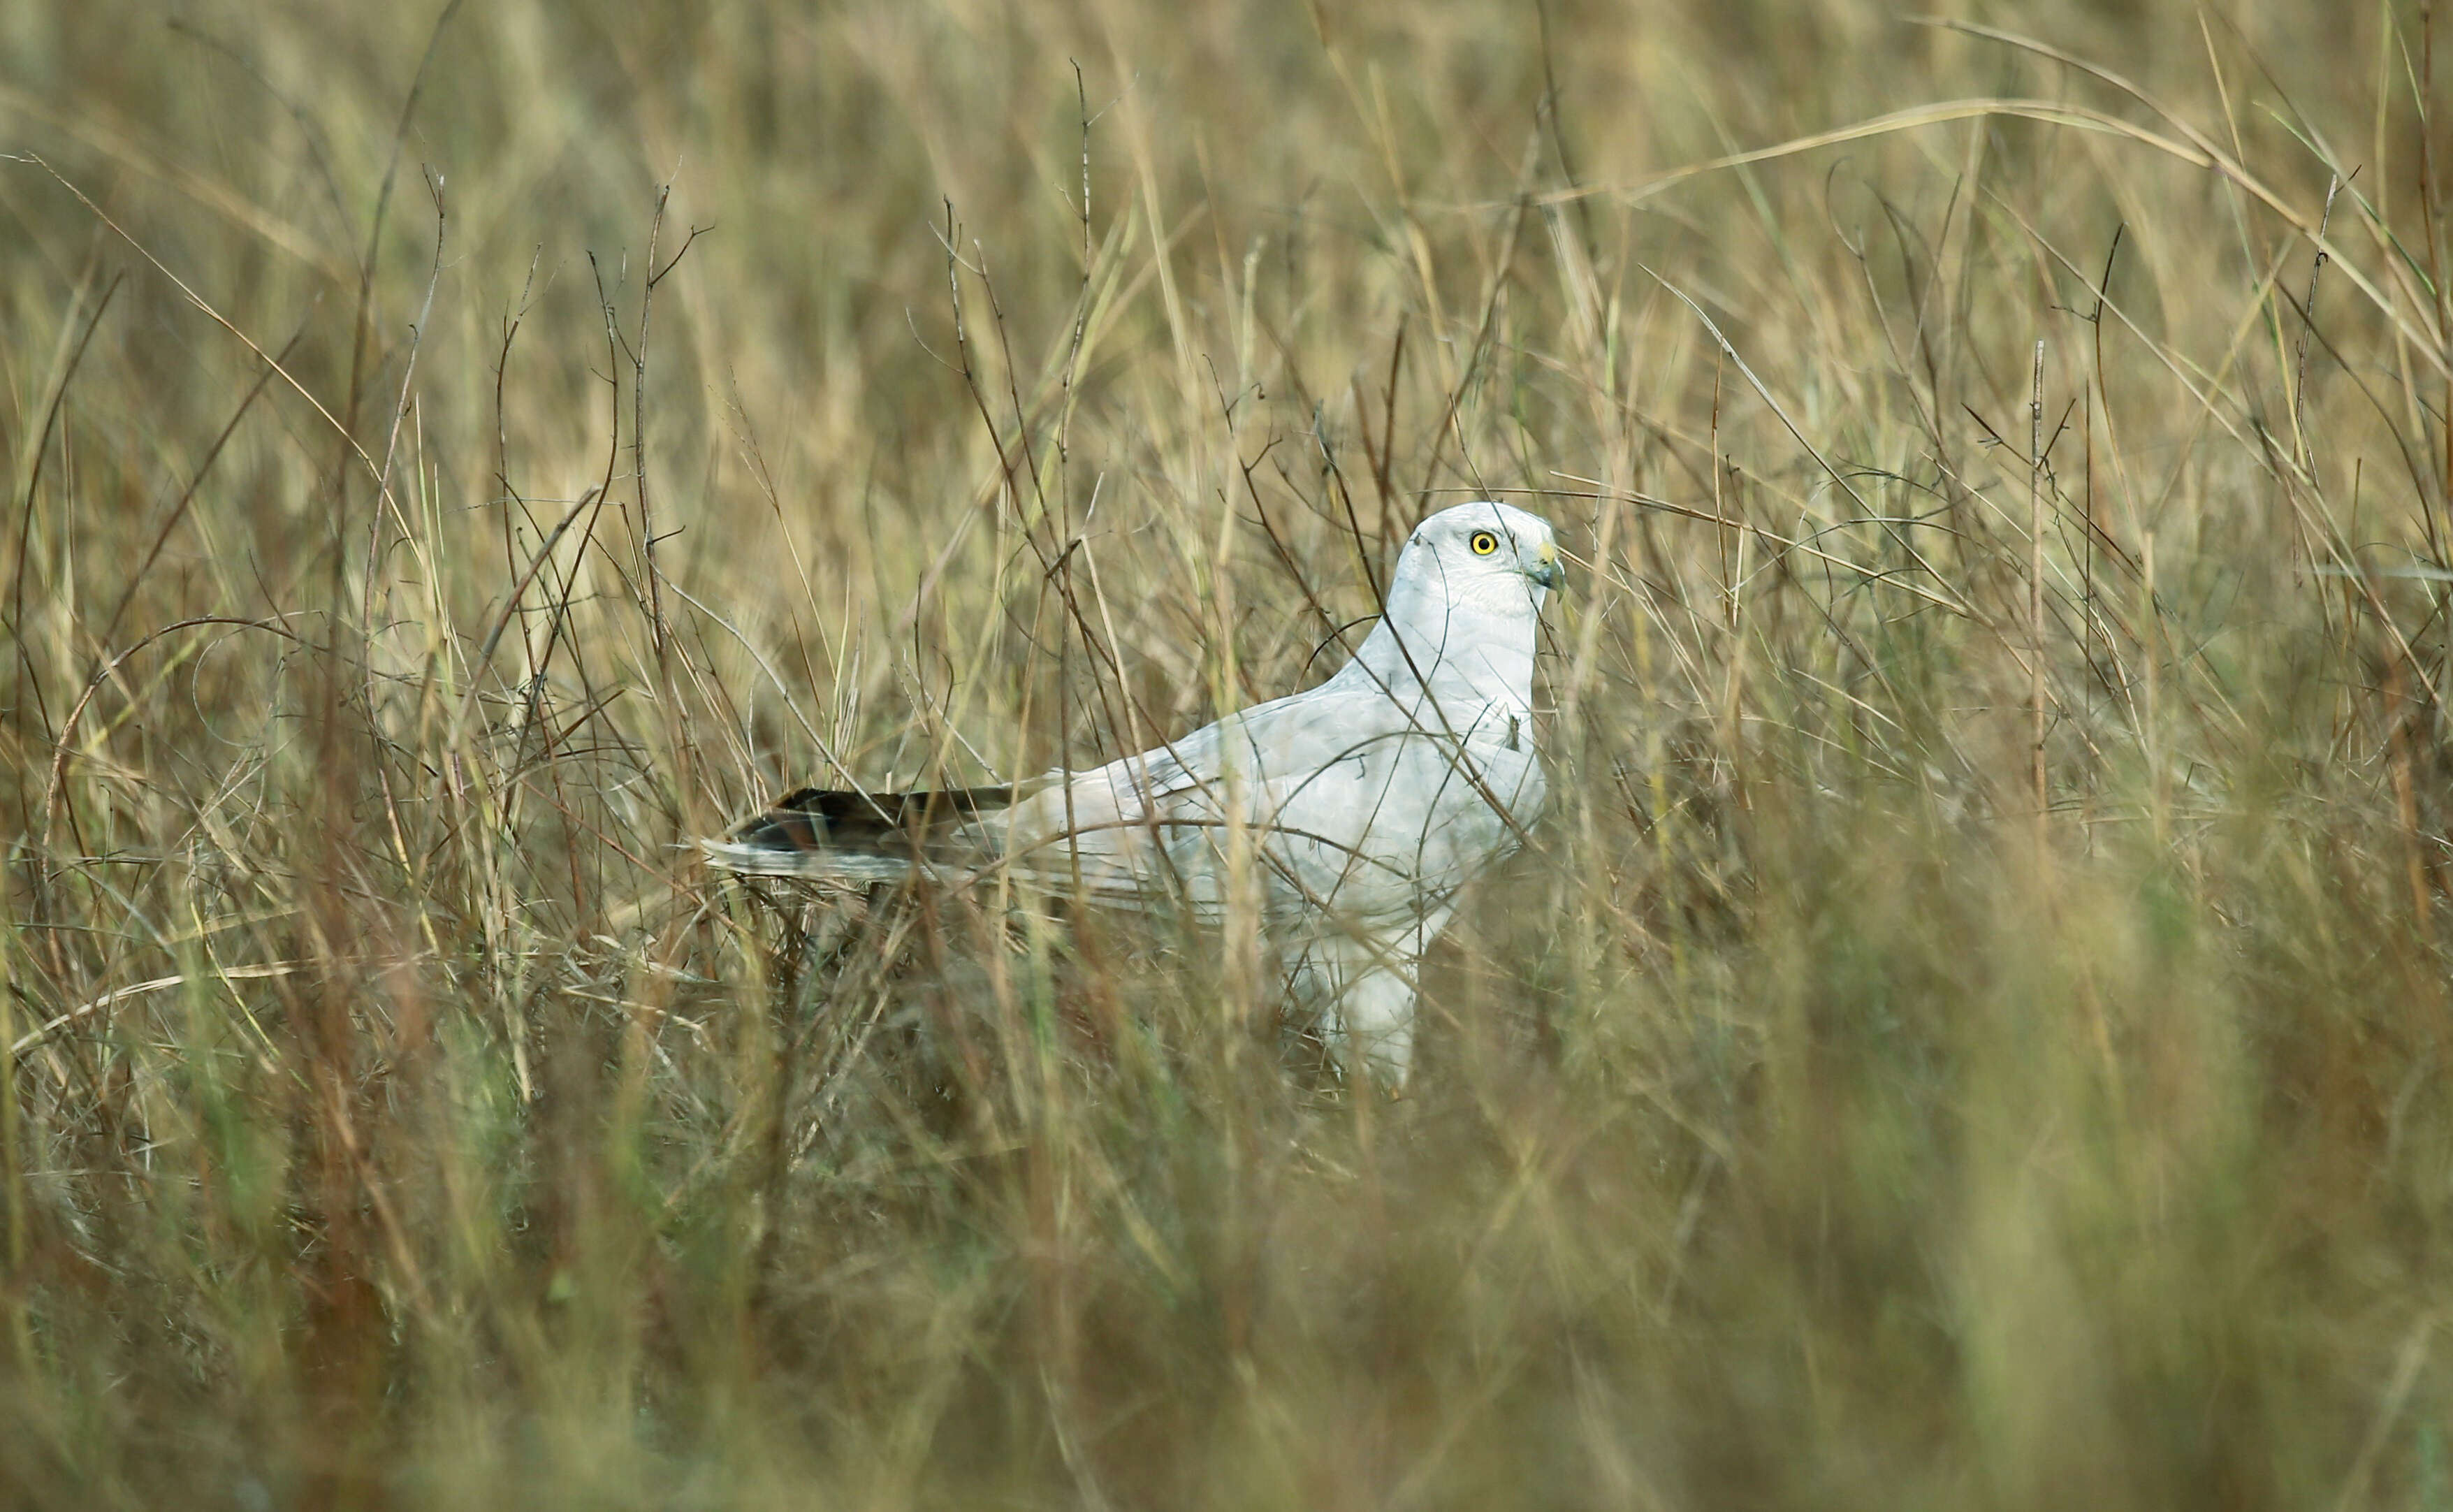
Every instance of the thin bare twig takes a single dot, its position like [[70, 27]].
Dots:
[[2308, 326], [2036, 590]]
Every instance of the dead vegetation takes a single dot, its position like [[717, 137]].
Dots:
[[1970, 1031]]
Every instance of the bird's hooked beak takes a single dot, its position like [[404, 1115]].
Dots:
[[1546, 569]]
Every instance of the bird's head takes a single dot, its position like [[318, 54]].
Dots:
[[1465, 604], [1486, 556]]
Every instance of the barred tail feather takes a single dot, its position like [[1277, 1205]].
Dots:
[[818, 864]]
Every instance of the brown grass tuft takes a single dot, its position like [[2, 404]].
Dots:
[[453, 460]]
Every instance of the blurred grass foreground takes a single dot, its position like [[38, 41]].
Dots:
[[1970, 1031]]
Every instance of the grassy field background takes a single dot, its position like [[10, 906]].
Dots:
[[1971, 1031]]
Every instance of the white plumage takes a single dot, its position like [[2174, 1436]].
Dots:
[[1368, 802]]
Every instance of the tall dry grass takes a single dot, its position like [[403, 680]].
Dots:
[[1970, 1031]]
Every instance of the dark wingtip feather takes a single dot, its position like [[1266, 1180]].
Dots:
[[818, 818]]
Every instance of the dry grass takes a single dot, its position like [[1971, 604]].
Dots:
[[414, 537]]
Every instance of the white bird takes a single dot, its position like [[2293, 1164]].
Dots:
[[1368, 803]]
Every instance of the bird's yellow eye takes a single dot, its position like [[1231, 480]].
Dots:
[[1483, 542]]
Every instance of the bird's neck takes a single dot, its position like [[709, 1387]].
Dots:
[[1468, 657]]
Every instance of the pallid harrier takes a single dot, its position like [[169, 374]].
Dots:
[[1368, 803]]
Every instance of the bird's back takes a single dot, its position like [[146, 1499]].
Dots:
[[1351, 802]]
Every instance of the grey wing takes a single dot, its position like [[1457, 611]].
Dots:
[[1356, 806], [1149, 824]]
